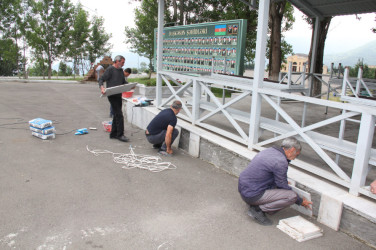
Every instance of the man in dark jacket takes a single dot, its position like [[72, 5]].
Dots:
[[263, 184], [114, 76]]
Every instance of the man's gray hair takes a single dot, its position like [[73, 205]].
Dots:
[[291, 142], [176, 105], [119, 58]]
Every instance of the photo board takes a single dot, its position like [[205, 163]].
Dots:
[[204, 47]]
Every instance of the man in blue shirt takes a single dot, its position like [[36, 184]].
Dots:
[[161, 131], [263, 184]]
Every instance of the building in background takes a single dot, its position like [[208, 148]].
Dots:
[[298, 61]]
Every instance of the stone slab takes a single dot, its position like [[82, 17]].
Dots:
[[194, 145], [299, 228], [330, 212], [307, 196]]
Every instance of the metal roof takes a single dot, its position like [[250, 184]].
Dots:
[[326, 8]]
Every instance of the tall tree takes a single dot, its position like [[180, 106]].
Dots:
[[279, 12], [9, 55], [141, 38], [50, 28], [323, 31], [78, 48], [11, 27], [99, 40]]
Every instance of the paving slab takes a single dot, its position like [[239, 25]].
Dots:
[[56, 195]]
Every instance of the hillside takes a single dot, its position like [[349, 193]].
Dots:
[[350, 58]]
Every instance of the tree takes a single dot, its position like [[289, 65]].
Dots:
[[143, 66], [78, 48], [281, 11], [9, 55], [49, 31], [323, 31], [11, 30], [64, 69], [98, 41], [141, 38], [39, 68], [367, 72]]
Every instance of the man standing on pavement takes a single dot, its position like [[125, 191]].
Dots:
[[114, 76], [127, 73], [161, 131], [263, 184], [99, 71]]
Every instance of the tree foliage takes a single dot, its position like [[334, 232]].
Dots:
[[281, 18], [141, 38], [64, 69], [11, 30], [367, 72], [78, 47], [9, 55], [49, 31], [99, 40]]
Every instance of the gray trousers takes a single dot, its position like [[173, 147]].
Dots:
[[274, 200], [160, 138]]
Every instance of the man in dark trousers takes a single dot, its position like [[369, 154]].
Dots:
[[114, 76], [263, 184], [127, 73], [161, 131]]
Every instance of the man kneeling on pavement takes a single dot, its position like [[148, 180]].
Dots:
[[263, 184], [161, 131]]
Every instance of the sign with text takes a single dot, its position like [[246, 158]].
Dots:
[[217, 46]]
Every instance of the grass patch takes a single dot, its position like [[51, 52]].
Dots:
[[152, 82], [218, 92], [332, 97], [144, 80]]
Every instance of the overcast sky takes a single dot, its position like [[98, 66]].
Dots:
[[346, 32]]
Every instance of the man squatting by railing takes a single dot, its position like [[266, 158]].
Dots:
[[263, 184], [161, 131]]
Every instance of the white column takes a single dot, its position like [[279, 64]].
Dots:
[[159, 52], [196, 101], [262, 28], [363, 148]]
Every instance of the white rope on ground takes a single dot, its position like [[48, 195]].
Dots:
[[165, 245], [132, 160]]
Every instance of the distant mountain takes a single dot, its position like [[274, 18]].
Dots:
[[366, 52]]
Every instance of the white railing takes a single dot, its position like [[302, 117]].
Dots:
[[200, 105]]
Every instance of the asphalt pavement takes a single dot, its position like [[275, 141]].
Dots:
[[55, 194]]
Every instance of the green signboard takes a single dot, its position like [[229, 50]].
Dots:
[[217, 46]]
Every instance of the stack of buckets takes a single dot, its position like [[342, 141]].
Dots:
[[42, 128]]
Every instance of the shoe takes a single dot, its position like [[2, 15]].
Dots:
[[123, 138], [259, 216], [113, 137], [164, 153], [157, 146]]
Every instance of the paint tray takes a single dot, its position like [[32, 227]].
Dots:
[[299, 228]]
